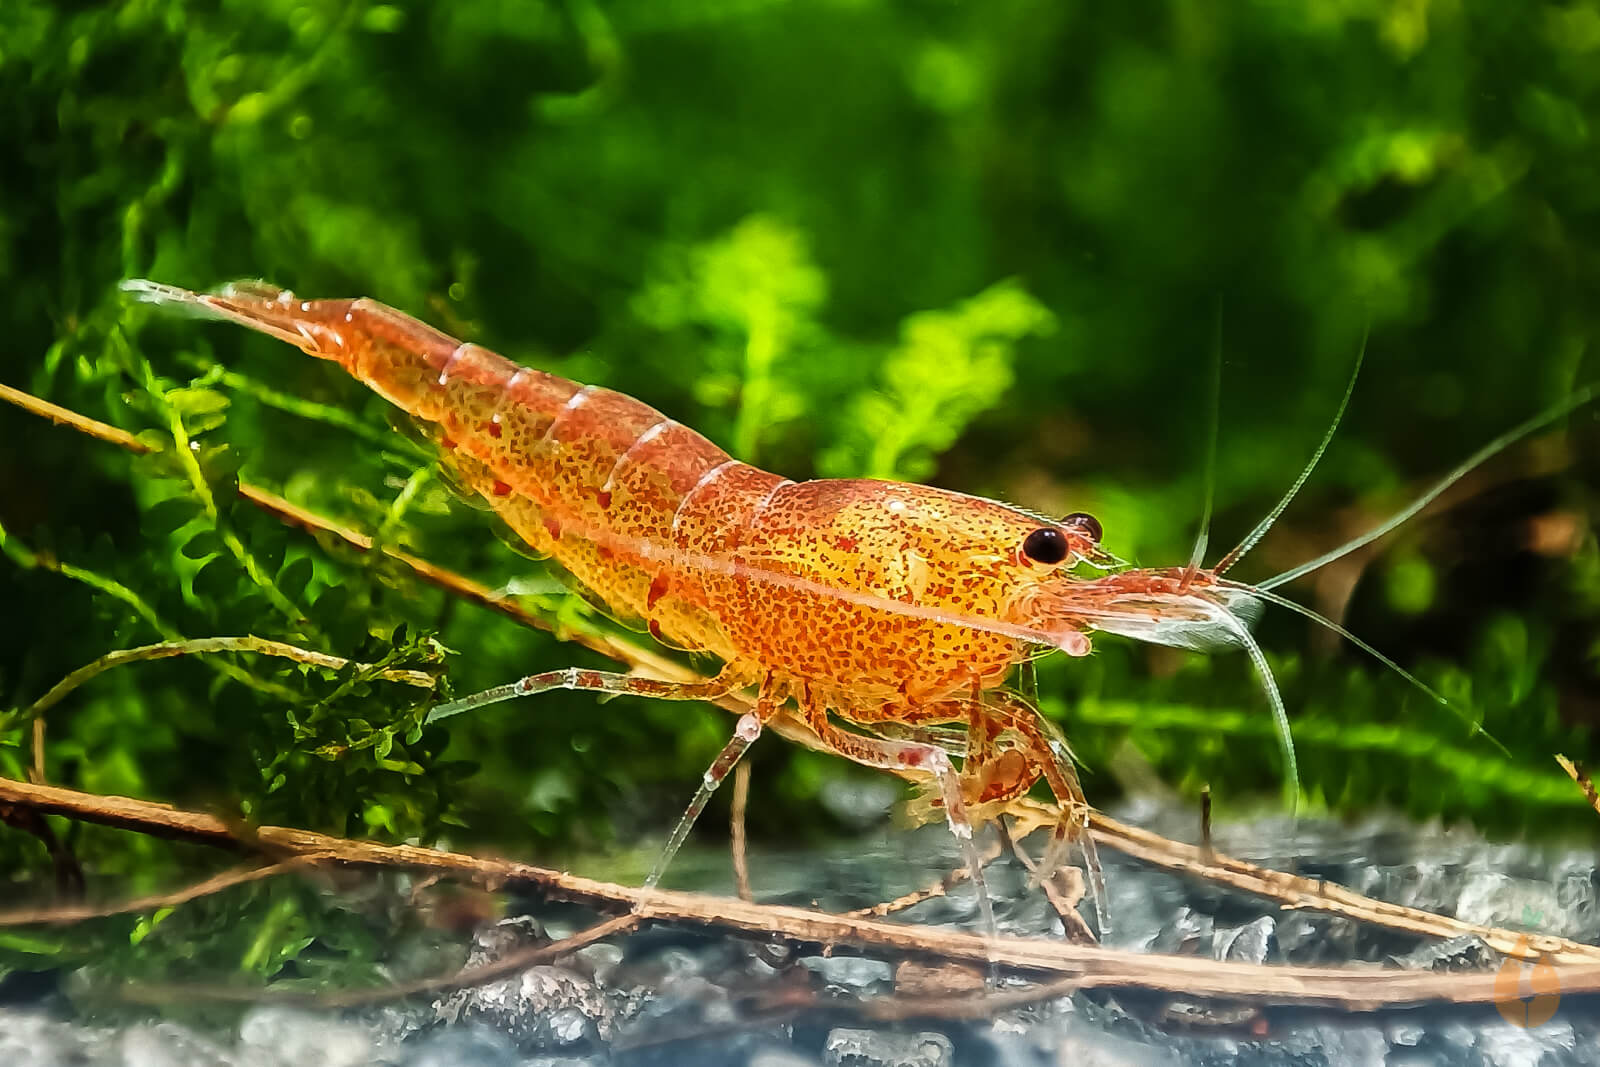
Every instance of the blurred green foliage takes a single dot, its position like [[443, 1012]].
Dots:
[[981, 244]]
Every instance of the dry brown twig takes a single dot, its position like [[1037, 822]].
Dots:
[[1311, 894], [61, 416], [1078, 966], [68, 874], [1578, 774], [36, 764], [952, 878], [741, 800]]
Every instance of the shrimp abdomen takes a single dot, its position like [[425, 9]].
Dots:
[[587, 475]]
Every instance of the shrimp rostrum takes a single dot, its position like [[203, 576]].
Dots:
[[880, 614]]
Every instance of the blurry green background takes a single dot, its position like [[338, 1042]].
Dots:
[[987, 245]]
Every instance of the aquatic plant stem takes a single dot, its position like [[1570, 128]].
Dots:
[[198, 646], [207, 887], [202, 645]]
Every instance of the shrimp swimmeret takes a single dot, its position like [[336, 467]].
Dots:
[[894, 607]]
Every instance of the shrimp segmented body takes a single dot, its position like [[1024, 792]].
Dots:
[[899, 609], [876, 602]]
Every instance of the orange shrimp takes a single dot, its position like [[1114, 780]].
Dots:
[[880, 602], [897, 608]]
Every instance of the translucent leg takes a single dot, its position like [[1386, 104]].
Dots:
[[744, 735], [733, 677], [1074, 826], [914, 756], [1055, 760]]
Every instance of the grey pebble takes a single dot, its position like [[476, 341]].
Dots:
[[876, 1048]]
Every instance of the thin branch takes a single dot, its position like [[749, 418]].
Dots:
[[36, 772], [1576, 772], [82, 423], [938, 889], [1311, 894], [741, 800], [215, 884], [1347, 989], [513, 963], [1064, 903], [203, 645]]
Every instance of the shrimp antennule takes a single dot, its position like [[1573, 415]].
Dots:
[[1254, 536], [1323, 620], [1263, 590], [1197, 557], [1195, 628], [1200, 620], [1269, 685], [1577, 399]]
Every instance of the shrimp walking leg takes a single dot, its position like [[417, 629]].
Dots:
[[1054, 760], [913, 756], [732, 678], [744, 735]]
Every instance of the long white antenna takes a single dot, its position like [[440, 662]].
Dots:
[[1254, 536], [1323, 620], [1269, 684], [1482, 455], [1197, 558]]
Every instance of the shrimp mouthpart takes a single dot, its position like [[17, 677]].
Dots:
[[1182, 607], [1179, 607]]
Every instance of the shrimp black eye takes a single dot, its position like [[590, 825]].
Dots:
[[1086, 523], [1045, 545]]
